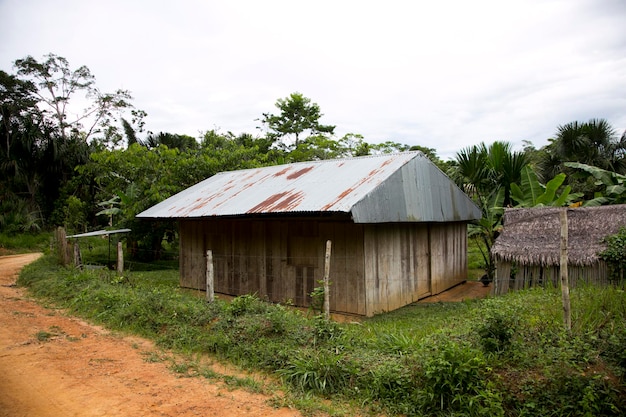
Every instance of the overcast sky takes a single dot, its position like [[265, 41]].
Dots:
[[444, 74]]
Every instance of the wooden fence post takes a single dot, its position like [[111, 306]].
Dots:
[[327, 280], [120, 259], [78, 260], [209, 277], [62, 248], [567, 312]]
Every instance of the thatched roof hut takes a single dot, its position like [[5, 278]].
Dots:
[[527, 252]]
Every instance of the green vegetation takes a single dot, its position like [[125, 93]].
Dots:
[[615, 254], [22, 243], [99, 166], [507, 356]]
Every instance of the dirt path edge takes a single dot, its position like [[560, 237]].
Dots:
[[52, 364]]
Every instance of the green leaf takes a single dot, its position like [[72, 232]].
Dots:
[[531, 186], [595, 202], [615, 190], [563, 199], [548, 197], [602, 175], [517, 194]]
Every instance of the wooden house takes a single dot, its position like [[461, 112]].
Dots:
[[398, 227], [527, 252]]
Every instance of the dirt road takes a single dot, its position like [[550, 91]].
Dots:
[[55, 365]]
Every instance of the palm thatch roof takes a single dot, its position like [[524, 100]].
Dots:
[[532, 236]]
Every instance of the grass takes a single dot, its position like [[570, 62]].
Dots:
[[475, 260], [505, 356], [23, 243]]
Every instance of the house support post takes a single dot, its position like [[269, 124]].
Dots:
[[209, 277], [567, 312], [327, 280]]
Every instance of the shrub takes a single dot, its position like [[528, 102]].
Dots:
[[455, 379], [497, 331], [557, 392], [320, 371], [246, 304], [615, 254]]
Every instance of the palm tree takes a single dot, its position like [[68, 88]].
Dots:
[[592, 143], [181, 142], [483, 170], [486, 174]]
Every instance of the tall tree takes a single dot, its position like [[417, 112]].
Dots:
[[18, 105], [45, 134], [171, 140], [57, 85], [592, 143], [297, 116], [22, 131], [486, 173], [129, 131], [482, 169]]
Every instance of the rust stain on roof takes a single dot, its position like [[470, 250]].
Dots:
[[284, 201], [372, 176], [346, 192], [282, 172], [341, 196], [299, 173]]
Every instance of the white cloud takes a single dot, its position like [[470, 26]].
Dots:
[[444, 74]]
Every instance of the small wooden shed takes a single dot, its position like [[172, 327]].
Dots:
[[527, 252], [398, 227]]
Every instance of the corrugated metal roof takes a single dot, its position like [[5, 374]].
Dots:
[[99, 233], [395, 187]]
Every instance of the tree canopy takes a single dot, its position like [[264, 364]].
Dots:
[[297, 116], [87, 166]]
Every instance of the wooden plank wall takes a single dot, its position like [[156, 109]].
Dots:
[[546, 276], [406, 262], [280, 260], [374, 267], [448, 242]]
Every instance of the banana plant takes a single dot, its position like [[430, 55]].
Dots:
[[614, 184], [532, 193], [487, 229], [110, 208]]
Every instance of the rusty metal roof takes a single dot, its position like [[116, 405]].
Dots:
[[401, 187]]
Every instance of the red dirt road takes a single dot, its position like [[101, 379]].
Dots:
[[77, 369]]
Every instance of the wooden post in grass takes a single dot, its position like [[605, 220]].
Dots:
[[120, 259], [327, 281], [209, 277], [78, 259], [567, 312], [63, 250]]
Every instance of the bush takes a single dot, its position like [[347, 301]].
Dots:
[[319, 371], [455, 378], [497, 331], [615, 254], [557, 392]]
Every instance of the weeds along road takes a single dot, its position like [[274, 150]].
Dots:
[[52, 364]]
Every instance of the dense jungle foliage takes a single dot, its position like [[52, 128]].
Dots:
[[74, 156]]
